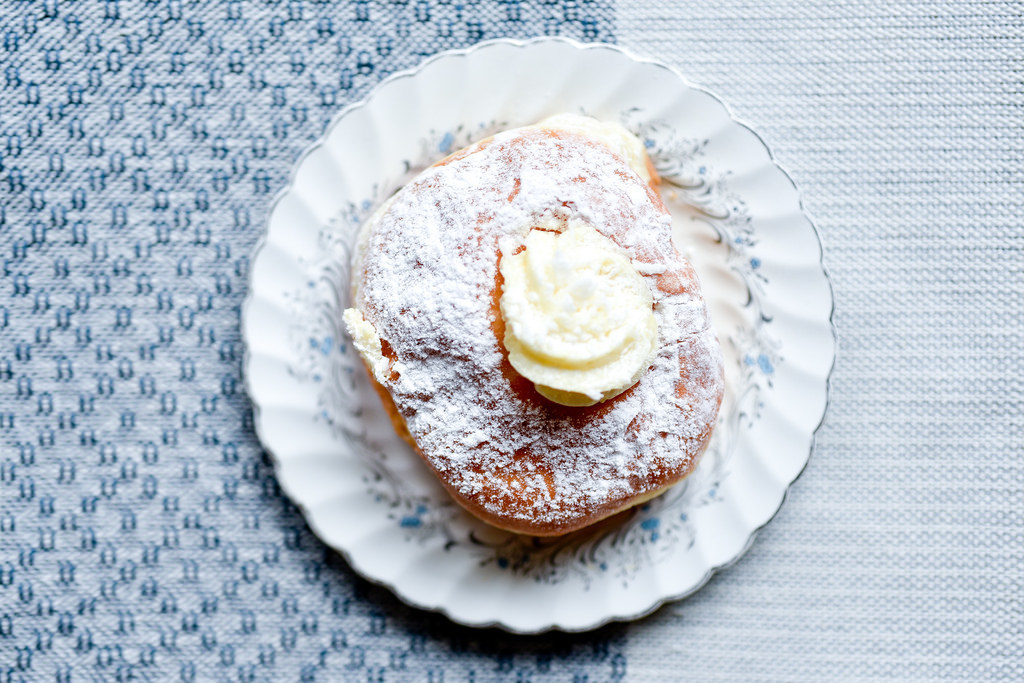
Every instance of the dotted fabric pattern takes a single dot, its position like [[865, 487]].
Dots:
[[142, 533]]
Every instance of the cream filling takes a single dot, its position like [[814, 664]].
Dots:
[[367, 342], [579, 320]]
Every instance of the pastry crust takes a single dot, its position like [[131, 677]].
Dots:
[[426, 277]]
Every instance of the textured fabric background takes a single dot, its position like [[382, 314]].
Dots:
[[900, 552], [141, 532]]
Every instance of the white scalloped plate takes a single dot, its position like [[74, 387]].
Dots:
[[366, 494]]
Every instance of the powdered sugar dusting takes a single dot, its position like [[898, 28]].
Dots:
[[428, 273]]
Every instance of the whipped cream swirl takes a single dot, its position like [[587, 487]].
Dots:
[[579, 320]]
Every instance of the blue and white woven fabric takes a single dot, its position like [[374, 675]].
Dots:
[[142, 534]]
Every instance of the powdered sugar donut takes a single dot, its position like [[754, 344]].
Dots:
[[429, 322]]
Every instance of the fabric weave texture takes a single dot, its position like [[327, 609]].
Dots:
[[142, 533]]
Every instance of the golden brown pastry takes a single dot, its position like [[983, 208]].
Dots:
[[533, 331]]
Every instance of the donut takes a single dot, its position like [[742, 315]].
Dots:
[[532, 330]]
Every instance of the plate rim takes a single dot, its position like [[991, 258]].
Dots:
[[287, 188]]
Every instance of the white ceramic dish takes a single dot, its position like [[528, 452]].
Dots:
[[366, 494]]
